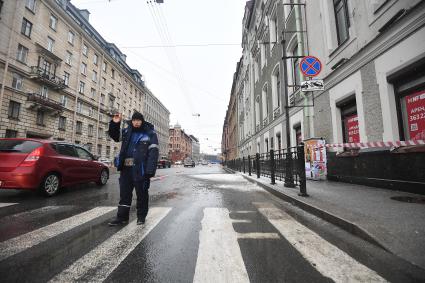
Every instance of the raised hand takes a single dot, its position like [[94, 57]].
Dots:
[[117, 118]]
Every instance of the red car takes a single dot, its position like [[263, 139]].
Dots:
[[47, 165]]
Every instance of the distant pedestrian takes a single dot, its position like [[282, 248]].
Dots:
[[137, 163]]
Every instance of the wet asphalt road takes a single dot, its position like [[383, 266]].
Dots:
[[205, 225]]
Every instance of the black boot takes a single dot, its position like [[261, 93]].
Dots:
[[140, 220], [118, 222]]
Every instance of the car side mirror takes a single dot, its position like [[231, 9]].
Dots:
[[95, 157]]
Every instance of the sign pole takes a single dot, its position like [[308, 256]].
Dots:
[[289, 179]]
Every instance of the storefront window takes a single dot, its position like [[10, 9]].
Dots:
[[413, 115]]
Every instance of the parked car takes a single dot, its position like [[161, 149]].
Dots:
[[178, 163], [164, 162], [189, 163], [106, 161], [46, 165], [204, 162]]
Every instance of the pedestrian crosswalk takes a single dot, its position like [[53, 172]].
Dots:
[[220, 255]]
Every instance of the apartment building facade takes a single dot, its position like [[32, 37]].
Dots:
[[372, 58], [196, 148], [180, 144], [157, 114], [59, 78]]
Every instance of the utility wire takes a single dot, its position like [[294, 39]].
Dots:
[[181, 45]]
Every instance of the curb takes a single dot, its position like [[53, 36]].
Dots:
[[342, 223]]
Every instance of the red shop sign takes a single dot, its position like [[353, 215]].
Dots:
[[352, 126], [415, 107]]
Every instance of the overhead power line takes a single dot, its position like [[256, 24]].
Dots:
[[182, 45]]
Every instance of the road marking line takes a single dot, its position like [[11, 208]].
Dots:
[[329, 260], [241, 221], [258, 236], [4, 204], [219, 256], [31, 213], [244, 211], [99, 263], [18, 244]]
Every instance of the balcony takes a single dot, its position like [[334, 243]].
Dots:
[[48, 78], [38, 102], [265, 122], [257, 127]]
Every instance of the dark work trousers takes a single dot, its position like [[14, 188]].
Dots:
[[127, 184]]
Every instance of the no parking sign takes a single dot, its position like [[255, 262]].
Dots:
[[310, 66]]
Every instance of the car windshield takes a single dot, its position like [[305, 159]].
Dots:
[[21, 146]]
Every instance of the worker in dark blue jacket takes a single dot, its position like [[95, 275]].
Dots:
[[137, 163]]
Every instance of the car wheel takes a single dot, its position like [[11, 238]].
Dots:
[[50, 185], [103, 178]]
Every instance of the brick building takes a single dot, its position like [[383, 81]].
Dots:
[[180, 145]]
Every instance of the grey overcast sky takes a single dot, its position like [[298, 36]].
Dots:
[[187, 79]]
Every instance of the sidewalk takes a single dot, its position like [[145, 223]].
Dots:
[[370, 213]]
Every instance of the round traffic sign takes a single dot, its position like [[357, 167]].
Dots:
[[310, 66]]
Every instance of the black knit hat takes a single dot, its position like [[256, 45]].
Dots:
[[138, 116]]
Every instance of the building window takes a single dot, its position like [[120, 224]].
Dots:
[[102, 98], [68, 59], [95, 59], [30, 4], [99, 149], [93, 93], [62, 123], [44, 91], [276, 88], [81, 87], [103, 82], [22, 54], [66, 78], [342, 21], [350, 123], [79, 127], [108, 151], [53, 22], [265, 102], [40, 118], [113, 73], [50, 44], [266, 143], [10, 133], [17, 81], [26, 27], [64, 100], [91, 130], [100, 133], [79, 107], [105, 67], [91, 111], [94, 77], [83, 68], [273, 31], [271, 143], [71, 37], [295, 67], [412, 113], [85, 50], [279, 141], [14, 108], [298, 134]]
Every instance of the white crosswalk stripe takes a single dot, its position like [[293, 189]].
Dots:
[[104, 259], [327, 258], [5, 204], [18, 244], [32, 213], [219, 256]]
